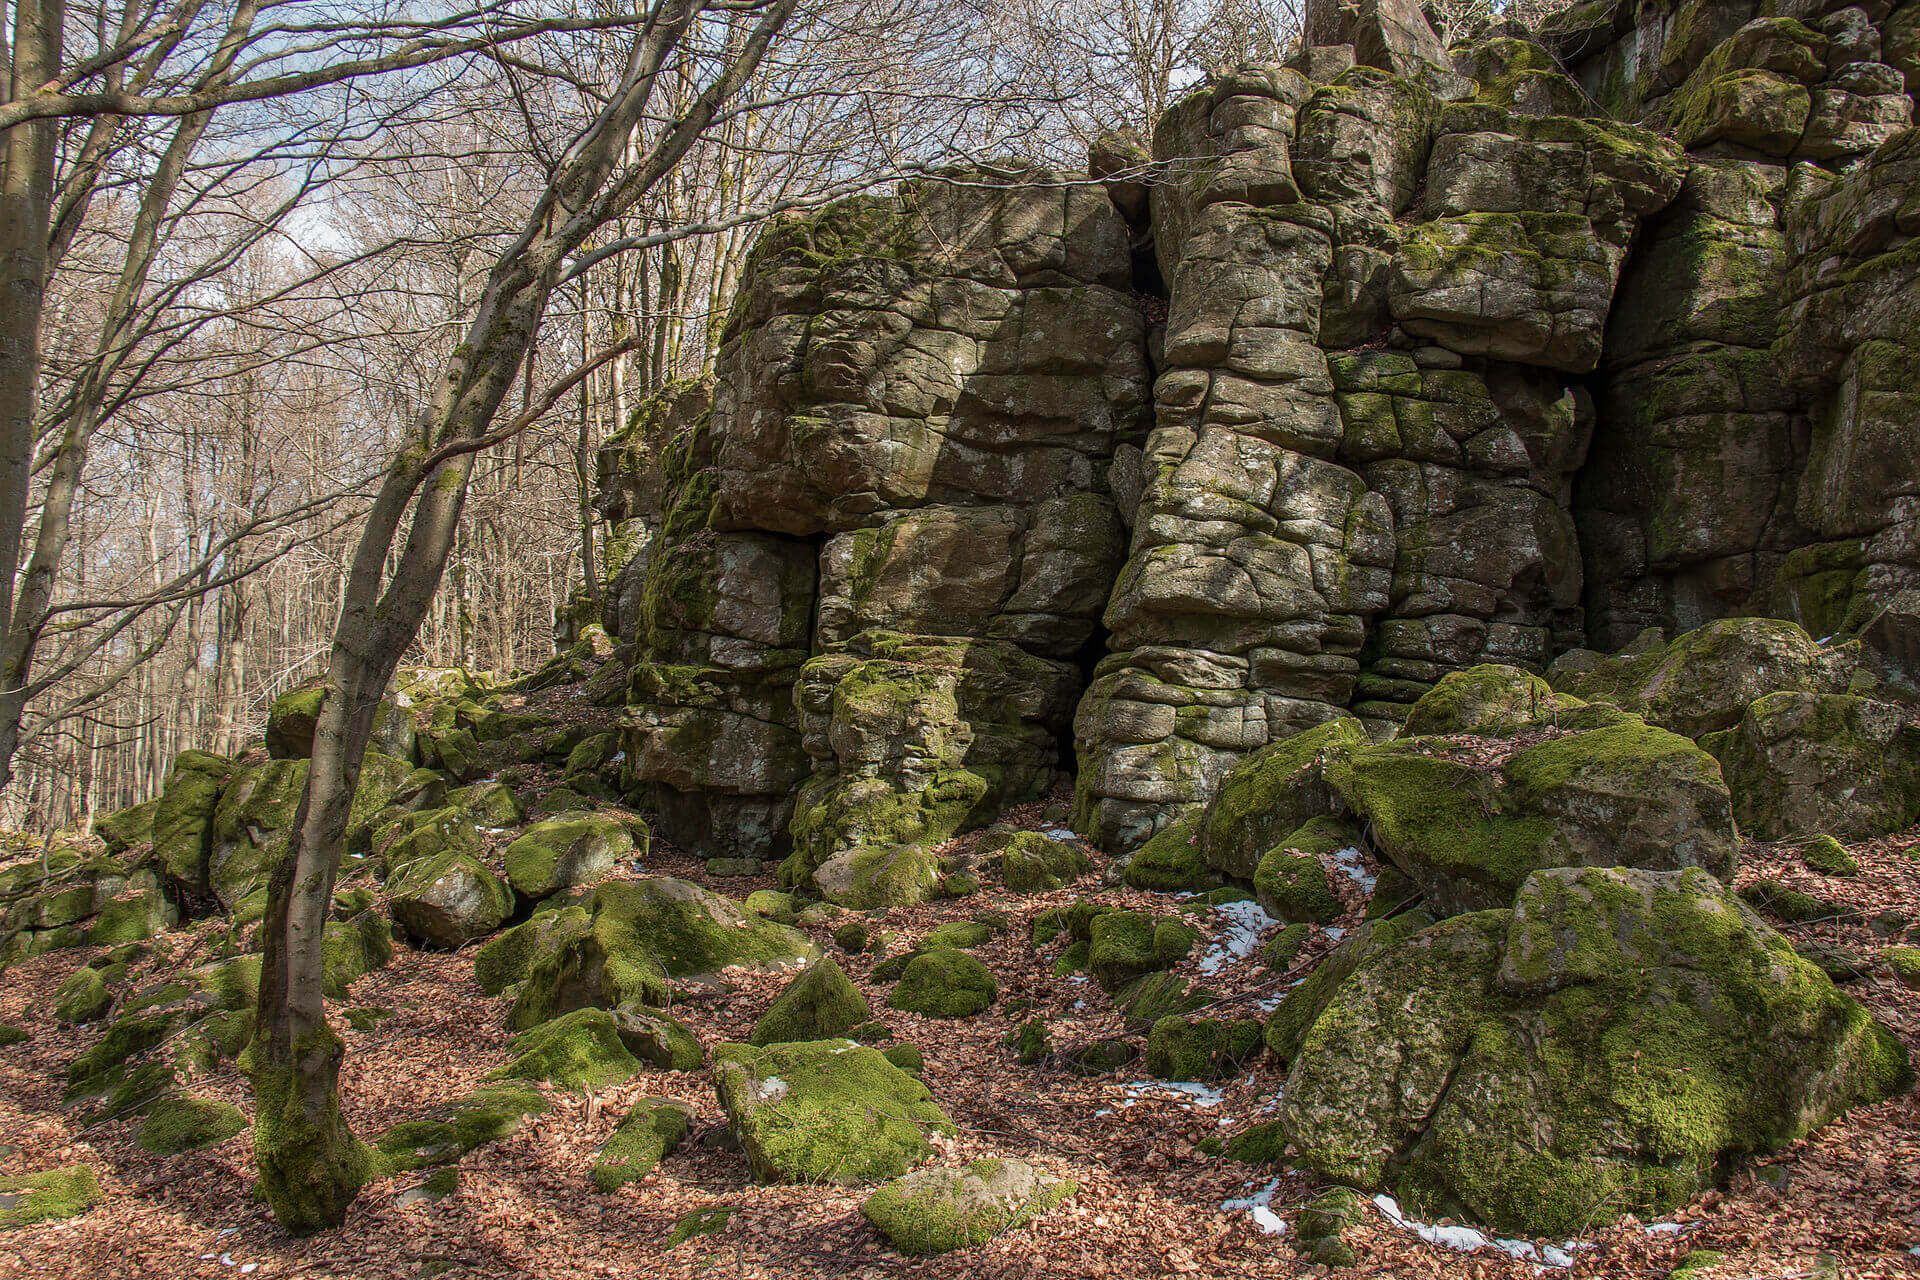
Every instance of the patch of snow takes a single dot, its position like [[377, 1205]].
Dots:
[[494, 831], [1257, 1206], [1665, 1228], [1201, 1095], [1335, 933], [619, 757], [1246, 925], [1059, 833], [1469, 1239], [1355, 865], [1079, 1004], [770, 1089]]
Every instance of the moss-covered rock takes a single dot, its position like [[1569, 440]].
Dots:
[[1784, 902], [1291, 883], [647, 941], [11, 1035], [489, 805], [870, 876], [351, 949], [1030, 1042], [944, 984], [1800, 764], [1324, 1227], [957, 935], [1186, 1048], [652, 1128], [1120, 948], [1620, 794], [698, 1222], [1170, 862], [509, 956], [449, 900], [1099, 1057], [579, 1050], [1605, 1046], [82, 997], [1033, 863], [1828, 856], [1280, 951], [183, 816], [183, 1122], [565, 850], [940, 1210], [454, 1128], [906, 1057], [658, 1038], [852, 937], [1905, 965], [825, 1111], [125, 828], [1303, 1004], [1704, 679], [65, 1192], [819, 1004], [1487, 701], [1271, 793]]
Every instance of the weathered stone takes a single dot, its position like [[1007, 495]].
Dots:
[[939, 1210], [1601, 1048], [1800, 764]]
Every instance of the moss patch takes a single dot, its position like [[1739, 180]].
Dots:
[[820, 1003], [40, 1197], [183, 1122], [939, 1210], [944, 984]]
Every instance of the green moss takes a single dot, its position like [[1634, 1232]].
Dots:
[[1158, 995], [1271, 793], [83, 997], [508, 957], [1032, 863], [1173, 941], [65, 1192], [565, 850], [1184, 1048], [906, 1057], [487, 804], [351, 949], [957, 935], [1264, 1144], [1291, 883], [454, 1128], [649, 939], [1303, 1004], [651, 1129], [817, 1005], [1121, 948], [940, 1210], [1690, 1263], [852, 938], [944, 984], [1030, 1041], [1905, 963], [1283, 948], [366, 1017], [1828, 856], [578, 1050], [1784, 902], [183, 1122], [1392, 890], [1073, 960], [698, 1222], [1047, 926], [825, 1111], [1487, 701], [10, 1035]]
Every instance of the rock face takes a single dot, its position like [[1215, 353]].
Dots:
[[1395, 360], [1596, 1049]]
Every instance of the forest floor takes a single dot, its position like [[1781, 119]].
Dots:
[[1150, 1202]]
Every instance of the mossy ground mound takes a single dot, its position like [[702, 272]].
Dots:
[[183, 1122], [940, 1210], [944, 984], [817, 1005], [41, 1197], [651, 1128], [825, 1111]]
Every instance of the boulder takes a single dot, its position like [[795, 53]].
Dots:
[[944, 983], [818, 1004], [1605, 1046], [1607, 790], [651, 1129], [1032, 863], [582, 1050], [939, 1210], [647, 942], [565, 850], [448, 900], [1803, 764], [825, 1111]]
